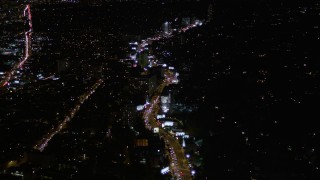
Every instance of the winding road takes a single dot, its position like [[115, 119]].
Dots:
[[10, 74], [178, 161]]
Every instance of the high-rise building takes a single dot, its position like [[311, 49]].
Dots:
[[166, 27], [62, 65], [186, 21], [210, 12]]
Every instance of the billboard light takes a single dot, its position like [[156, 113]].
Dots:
[[165, 170], [161, 116], [168, 123], [156, 130], [180, 133], [140, 107]]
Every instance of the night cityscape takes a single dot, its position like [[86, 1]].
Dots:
[[163, 89]]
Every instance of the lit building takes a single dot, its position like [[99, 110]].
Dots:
[[166, 101], [210, 13], [185, 21], [166, 27]]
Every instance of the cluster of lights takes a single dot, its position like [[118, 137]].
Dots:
[[10, 74], [150, 108]]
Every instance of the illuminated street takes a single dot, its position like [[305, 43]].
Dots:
[[28, 36], [42, 144], [159, 90], [179, 164]]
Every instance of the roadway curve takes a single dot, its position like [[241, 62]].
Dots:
[[178, 161], [10, 74]]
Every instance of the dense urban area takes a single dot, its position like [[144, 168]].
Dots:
[[164, 89]]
